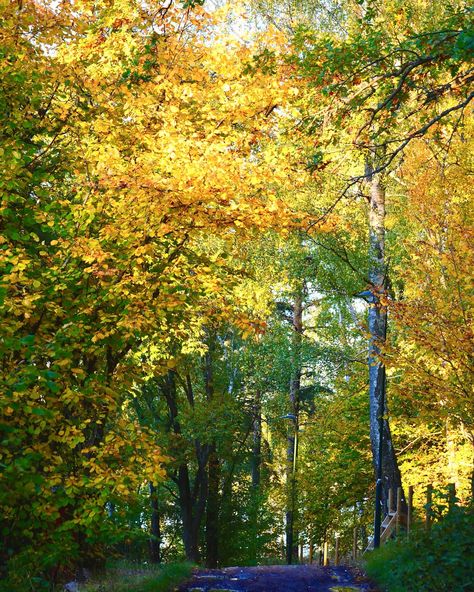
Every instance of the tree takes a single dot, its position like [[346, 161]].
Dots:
[[187, 221], [430, 352], [85, 284], [384, 82]]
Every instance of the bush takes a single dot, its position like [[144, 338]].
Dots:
[[135, 579], [439, 561], [121, 577]]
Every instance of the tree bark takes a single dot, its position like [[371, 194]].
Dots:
[[192, 499], [377, 321], [188, 517], [155, 539], [212, 511], [212, 505]]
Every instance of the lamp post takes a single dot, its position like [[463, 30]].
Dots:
[[290, 514]]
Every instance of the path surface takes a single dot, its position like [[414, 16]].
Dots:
[[277, 578]]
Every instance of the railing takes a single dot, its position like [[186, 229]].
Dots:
[[395, 523], [396, 517]]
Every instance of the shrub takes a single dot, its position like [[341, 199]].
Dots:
[[439, 561], [135, 579]]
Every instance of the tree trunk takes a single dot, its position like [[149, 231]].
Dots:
[[191, 515], [155, 539], [292, 446], [212, 511], [192, 501], [212, 504], [377, 321]]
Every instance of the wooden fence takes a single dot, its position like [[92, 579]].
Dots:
[[396, 518], [395, 523]]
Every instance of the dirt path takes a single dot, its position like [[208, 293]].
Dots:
[[277, 578]]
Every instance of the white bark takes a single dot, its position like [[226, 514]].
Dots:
[[377, 321]]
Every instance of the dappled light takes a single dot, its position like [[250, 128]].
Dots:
[[236, 296]]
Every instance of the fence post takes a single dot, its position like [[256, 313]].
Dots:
[[325, 554], [451, 496], [336, 552], [429, 499], [410, 510], [399, 510], [354, 545], [390, 500]]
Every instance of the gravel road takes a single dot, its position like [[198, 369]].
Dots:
[[278, 578]]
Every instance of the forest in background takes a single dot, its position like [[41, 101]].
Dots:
[[209, 211]]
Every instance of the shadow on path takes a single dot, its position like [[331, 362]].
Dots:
[[277, 578]]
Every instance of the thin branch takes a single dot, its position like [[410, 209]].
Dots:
[[416, 134]]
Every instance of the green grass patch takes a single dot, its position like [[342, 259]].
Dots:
[[132, 578], [440, 561]]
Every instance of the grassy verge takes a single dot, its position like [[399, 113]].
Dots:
[[441, 561], [132, 579]]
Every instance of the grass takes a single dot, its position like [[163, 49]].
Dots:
[[133, 578], [440, 561]]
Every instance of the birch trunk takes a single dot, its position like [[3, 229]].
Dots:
[[377, 321]]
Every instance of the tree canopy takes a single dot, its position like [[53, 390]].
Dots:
[[194, 197]]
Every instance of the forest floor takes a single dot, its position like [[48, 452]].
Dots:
[[278, 578]]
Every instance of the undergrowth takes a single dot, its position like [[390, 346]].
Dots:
[[439, 561], [160, 579]]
